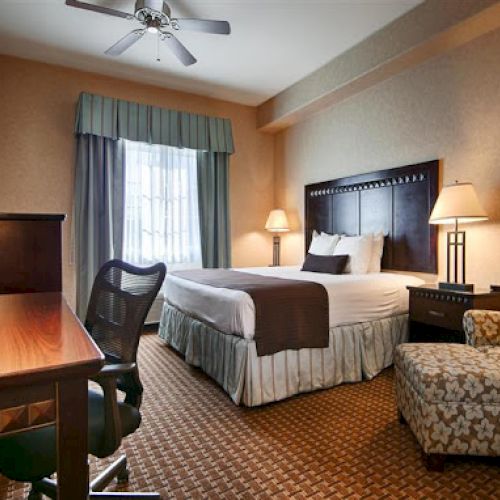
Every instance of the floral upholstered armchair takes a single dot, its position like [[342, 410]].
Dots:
[[482, 328], [449, 394]]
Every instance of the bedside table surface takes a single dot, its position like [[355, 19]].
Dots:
[[434, 287]]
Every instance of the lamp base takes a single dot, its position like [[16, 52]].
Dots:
[[456, 287], [276, 251]]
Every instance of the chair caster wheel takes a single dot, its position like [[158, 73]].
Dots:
[[122, 476]]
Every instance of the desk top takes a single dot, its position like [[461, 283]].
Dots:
[[41, 339]]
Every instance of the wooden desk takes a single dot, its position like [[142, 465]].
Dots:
[[46, 358]]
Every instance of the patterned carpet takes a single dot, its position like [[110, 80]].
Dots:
[[343, 442]]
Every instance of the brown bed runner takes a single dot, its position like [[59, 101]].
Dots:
[[289, 314]]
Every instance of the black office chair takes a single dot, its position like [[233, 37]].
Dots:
[[121, 297]]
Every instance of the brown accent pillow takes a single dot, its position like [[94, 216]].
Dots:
[[331, 264]]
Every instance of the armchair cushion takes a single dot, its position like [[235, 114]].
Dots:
[[482, 328], [31, 456]]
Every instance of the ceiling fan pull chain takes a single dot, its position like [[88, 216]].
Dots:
[[158, 47]]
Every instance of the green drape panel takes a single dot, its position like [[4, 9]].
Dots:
[[114, 118], [213, 203], [99, 208]]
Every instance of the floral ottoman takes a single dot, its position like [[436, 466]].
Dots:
[[449, 394]]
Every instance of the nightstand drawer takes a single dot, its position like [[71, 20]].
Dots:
[[446, 314]]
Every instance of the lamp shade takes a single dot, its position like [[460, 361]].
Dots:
[[457, 203], [277, 221]]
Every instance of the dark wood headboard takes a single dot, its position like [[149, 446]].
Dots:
[[396, 201]]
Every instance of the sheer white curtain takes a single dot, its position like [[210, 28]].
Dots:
[[161, 206]]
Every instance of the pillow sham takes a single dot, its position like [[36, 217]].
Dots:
[[330, 264], [323, 244], [377, 251], [359, 250]]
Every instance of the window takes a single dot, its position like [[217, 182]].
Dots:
[[161, 206]]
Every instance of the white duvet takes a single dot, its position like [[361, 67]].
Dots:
[[352, 298]]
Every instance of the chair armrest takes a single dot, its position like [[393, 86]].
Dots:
[[114, 370], [482, 328]]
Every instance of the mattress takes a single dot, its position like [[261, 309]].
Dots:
[[351, 298]]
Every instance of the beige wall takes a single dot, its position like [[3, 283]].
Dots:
[[447, 108], [37, 112]]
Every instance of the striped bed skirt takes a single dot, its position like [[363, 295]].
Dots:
[[355, 352]]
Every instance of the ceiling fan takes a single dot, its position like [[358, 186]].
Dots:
[[155, 16]]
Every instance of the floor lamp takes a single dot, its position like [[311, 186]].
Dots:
[[457, 204], [277, 222]]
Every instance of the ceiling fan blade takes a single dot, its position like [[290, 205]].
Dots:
[[205, 26], [127, 41], [179, 50], [98, 8]]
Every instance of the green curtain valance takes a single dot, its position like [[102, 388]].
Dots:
[[114, 118]]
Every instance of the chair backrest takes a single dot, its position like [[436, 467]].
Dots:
[[120, 300]]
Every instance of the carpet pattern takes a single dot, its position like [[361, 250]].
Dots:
[[344, 442]]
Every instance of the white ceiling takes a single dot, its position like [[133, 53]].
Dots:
[[273, 43]]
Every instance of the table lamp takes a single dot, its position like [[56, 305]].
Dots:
[[456, 204], [277, 222]]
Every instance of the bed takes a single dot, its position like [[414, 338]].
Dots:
[[213, 327]]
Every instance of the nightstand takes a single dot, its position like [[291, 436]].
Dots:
[[436, 315]]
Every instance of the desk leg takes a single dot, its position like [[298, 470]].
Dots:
[[72, 430]]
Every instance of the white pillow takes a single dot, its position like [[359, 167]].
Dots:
[[323, 244], [377, 250], [359, 249]]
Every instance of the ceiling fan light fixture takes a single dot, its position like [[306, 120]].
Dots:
[[152, 29]]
